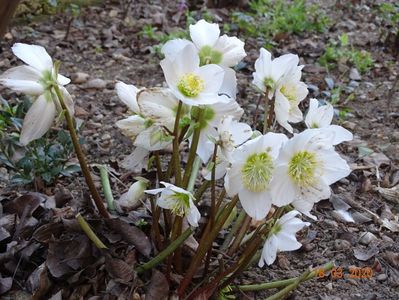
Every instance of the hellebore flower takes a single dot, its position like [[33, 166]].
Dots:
[[289, 93], [179, 201], [36, 79], [190, 83], [268, 73], [305, 168], [282, 237], [321, 117], [251, 172]]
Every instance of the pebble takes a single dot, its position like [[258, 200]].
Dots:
[[387, 239], [367, 237], [342, 244], [349, 125], [106, 137], [79, 77], [313, 88], [326, 94], [353, 84], [330, 82], [354, 74], [330, 223], [382, 277], [96, 83]]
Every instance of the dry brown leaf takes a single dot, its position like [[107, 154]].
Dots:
[[158, 288]]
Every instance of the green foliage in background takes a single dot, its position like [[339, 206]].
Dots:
[[44, 159], [343, 52], [268, 18]]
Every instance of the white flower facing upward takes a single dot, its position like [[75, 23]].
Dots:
[[211, 47], [268, 73], [179, 201], [305, 168], [251, 172], [321, 117], [191, 83], [36, 79], [289, 93], [282, 237]]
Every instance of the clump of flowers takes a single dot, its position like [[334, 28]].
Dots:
[[270, 177]]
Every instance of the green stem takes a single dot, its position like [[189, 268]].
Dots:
[[81, 157], [89, 232], [289, 288], [266, 116], [106, 187], [193, 149], [201, 190], [165, 253], [280, 283], [240, 235], [176, 144], [194, 173]]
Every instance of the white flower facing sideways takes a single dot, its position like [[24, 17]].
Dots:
[[230, 134], [289, 93], [305, 168], [321, 117], [269, 72], [178, 200], [36, 79], [191, 83], [251, 172], [282, 237]]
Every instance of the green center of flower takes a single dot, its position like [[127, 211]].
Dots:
[[208, 115], [190, 85], [47, 79], [269, 83], [275, 229], [289, 92], [181, 204], [302, 168], [314, 125], [257, 172], [209, 56]]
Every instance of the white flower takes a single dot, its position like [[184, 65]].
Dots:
[[192, 84], [132, 197], [268, 73], [41, 115], [251, 172], [36, 79], [282, 237], [37, 76], [155, 110], [305, 168], [179, 201], [321, 117], [211, 47], [289, 93], [212, 116]]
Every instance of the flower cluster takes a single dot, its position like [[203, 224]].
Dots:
[[263, 170], [198, 107]]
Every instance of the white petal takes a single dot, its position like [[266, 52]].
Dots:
[[132, 125], [213, 77], [136, 160], [314, 193], [288, 217], [204, 33], [221, 110], [159, 105], [187, 60], [287, 241], [274, 142], [154, 191], [68, 100], [173, 47], [194, 215], [270, 249], [229, 85], [205, 146], [153, 138], [282, 189], [240, 132], [334, 167], [340, 134], [318, 117], [262, 68], [232, 49], [62, 80], [232, 181], [281, 109], [256, 205], [38, 120], [33, 55], [304, 207], [23, 79], [128, 94], [172, 77], [294, 225]]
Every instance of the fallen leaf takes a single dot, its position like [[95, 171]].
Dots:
[[29, 202], [158, 288], [365, 254], [119, 269], [5, 285], [132, 235], [38, 282]]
